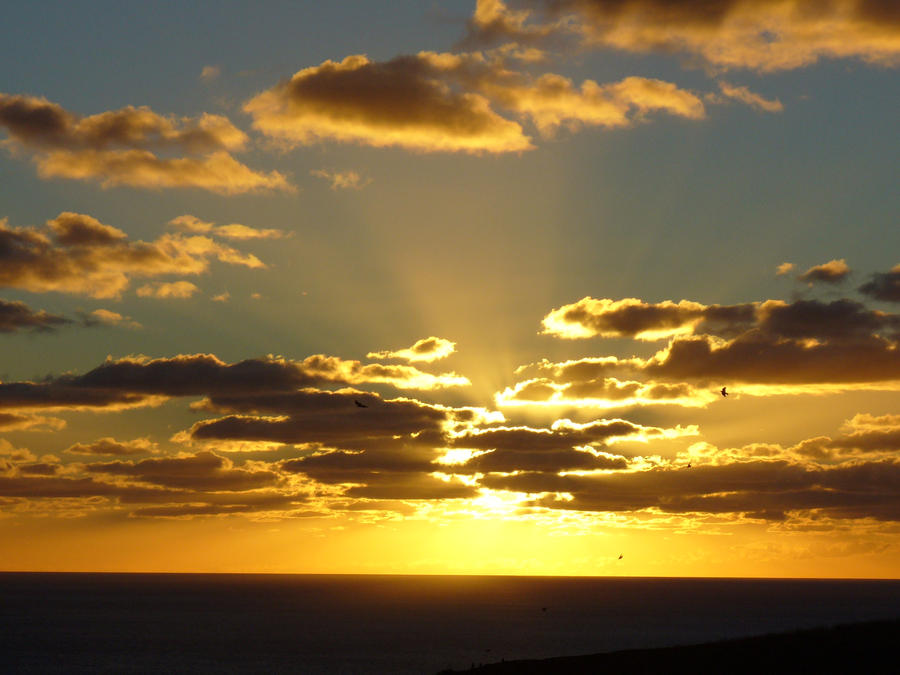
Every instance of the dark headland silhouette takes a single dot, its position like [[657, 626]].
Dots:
[[862, 647]]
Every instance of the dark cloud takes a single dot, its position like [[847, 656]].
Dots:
[[110, 446], [883, 286], [635, 318], [15, 316], [807, 341], [204, 471], [870, 489]]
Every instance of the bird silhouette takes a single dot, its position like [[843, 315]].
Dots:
[[724, 393], [689, 465], [360, 405], [620, 556]]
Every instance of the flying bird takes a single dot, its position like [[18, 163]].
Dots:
[[620, 556], [360, 405], [724, 393]]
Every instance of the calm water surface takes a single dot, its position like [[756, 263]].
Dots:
[[390, 624]]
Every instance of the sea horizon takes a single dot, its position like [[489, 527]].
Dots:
[[388, 623]]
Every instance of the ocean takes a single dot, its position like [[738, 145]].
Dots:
[[391, 624]]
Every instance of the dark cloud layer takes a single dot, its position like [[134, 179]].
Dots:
[[883, 286], [15, 316]]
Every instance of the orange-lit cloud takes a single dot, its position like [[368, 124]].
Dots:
[[19, 422], [120, 147], [189, 223], [404, 102], [754, 100], [83, 256], [763, 35], [162, 289], [552, 101], [832, 272], [342, 180], [427, 349], [109, 446], [634, 318]]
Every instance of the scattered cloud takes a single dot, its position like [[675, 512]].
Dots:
[[120, 147], [832, 272], [758, 35], [342, 180], [784, 268], [744, 95], [189, 223], [16, 316], [405, 102], [162, 289], [427, 349], [883, 286], [210, 73], [80, 255], [109, 446]]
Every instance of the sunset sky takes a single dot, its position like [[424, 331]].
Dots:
[[451, 287]]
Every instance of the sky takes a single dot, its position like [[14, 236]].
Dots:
[[552, 287]]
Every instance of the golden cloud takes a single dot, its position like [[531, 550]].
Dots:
[[427, 349], [189, 223], [84, 256], [120, 147], [763, 35], [404, 102], [162, 289]]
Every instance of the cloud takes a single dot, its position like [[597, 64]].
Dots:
[[105, 317], [37, 122], [110, 446], [832, 272], [331, 418], [601, 392], [770, 347], [342, 180], [405, 102], [744, 95], [137, 381], [565, 446], [637, 319], [427, 349], [19, 422], [754, 486], [174, 289], [883, 286], [217, 172], [210, 73], [784, 268], [762, 35], [552, 101], [189, 223], [16, 316], [83, 256], [120, 147], [202, 471]]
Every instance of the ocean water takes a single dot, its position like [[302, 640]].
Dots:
[[391, 624]]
